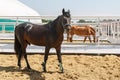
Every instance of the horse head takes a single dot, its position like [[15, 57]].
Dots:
[[66, 19]]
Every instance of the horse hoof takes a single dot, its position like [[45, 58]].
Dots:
[[61, 68], [44, 71], [28, 69], [44, 67], [19, 68]]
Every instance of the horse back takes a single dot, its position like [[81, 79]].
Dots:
[[82, 30], [79, 30]]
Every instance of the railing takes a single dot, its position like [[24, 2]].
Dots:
[[17, 20], [106, 30], [110, 30]]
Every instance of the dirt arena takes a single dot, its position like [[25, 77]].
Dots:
[[77, 67]]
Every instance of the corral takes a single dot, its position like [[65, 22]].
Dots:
[[78, 64]]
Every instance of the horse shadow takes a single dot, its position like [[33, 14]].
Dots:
[[33, 74]]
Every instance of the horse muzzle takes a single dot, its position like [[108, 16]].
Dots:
[[67, 26]]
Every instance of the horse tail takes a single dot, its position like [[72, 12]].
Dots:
[[93, 29], [17, 46]]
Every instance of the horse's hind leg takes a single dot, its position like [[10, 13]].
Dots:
[[45, 58], [25, 55], [19, 58], [58, 50]]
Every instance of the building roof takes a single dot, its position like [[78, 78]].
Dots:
[[15, 8]]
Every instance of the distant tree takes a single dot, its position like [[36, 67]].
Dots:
[[118, 19], [107, 20], [81, 21], [46, 21]]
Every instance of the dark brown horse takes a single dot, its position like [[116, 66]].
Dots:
[[49, 35], [86, 31]]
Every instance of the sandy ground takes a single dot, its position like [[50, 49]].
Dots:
[[77, 67]]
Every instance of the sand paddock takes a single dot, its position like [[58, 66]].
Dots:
[[77, 67]]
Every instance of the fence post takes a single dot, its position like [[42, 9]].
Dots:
[[16, 21], [98, 29], [113, 30], [119, 31], [3, 28]]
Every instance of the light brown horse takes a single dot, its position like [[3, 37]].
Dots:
[[86, 31]]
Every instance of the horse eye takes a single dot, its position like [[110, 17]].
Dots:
[[65, 17], [68, 15], [65, 20]]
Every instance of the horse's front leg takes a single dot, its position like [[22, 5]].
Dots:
[[94, 38], [85, 39], [71, 38], [89, 39], [68, 37], [45, 58], [58, 50]]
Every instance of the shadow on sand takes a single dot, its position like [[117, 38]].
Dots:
[[33, 74]]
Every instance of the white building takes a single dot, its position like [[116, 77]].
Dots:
[[16, 8]]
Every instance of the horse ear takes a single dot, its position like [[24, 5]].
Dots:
[[68, 10], [63, 11]]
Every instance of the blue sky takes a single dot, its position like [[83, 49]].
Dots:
[[77, 7]]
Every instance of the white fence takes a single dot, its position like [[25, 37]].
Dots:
[[106, 30], [110, 31]]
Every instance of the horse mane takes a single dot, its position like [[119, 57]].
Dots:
[[54, 25], [54, 22]]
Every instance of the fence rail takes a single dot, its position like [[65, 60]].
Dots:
[[105, 30]]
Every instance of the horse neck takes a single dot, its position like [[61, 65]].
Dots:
[[71, 31], [58, 26]]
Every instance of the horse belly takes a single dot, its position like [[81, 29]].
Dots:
[[37, 41], [82, 33]]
